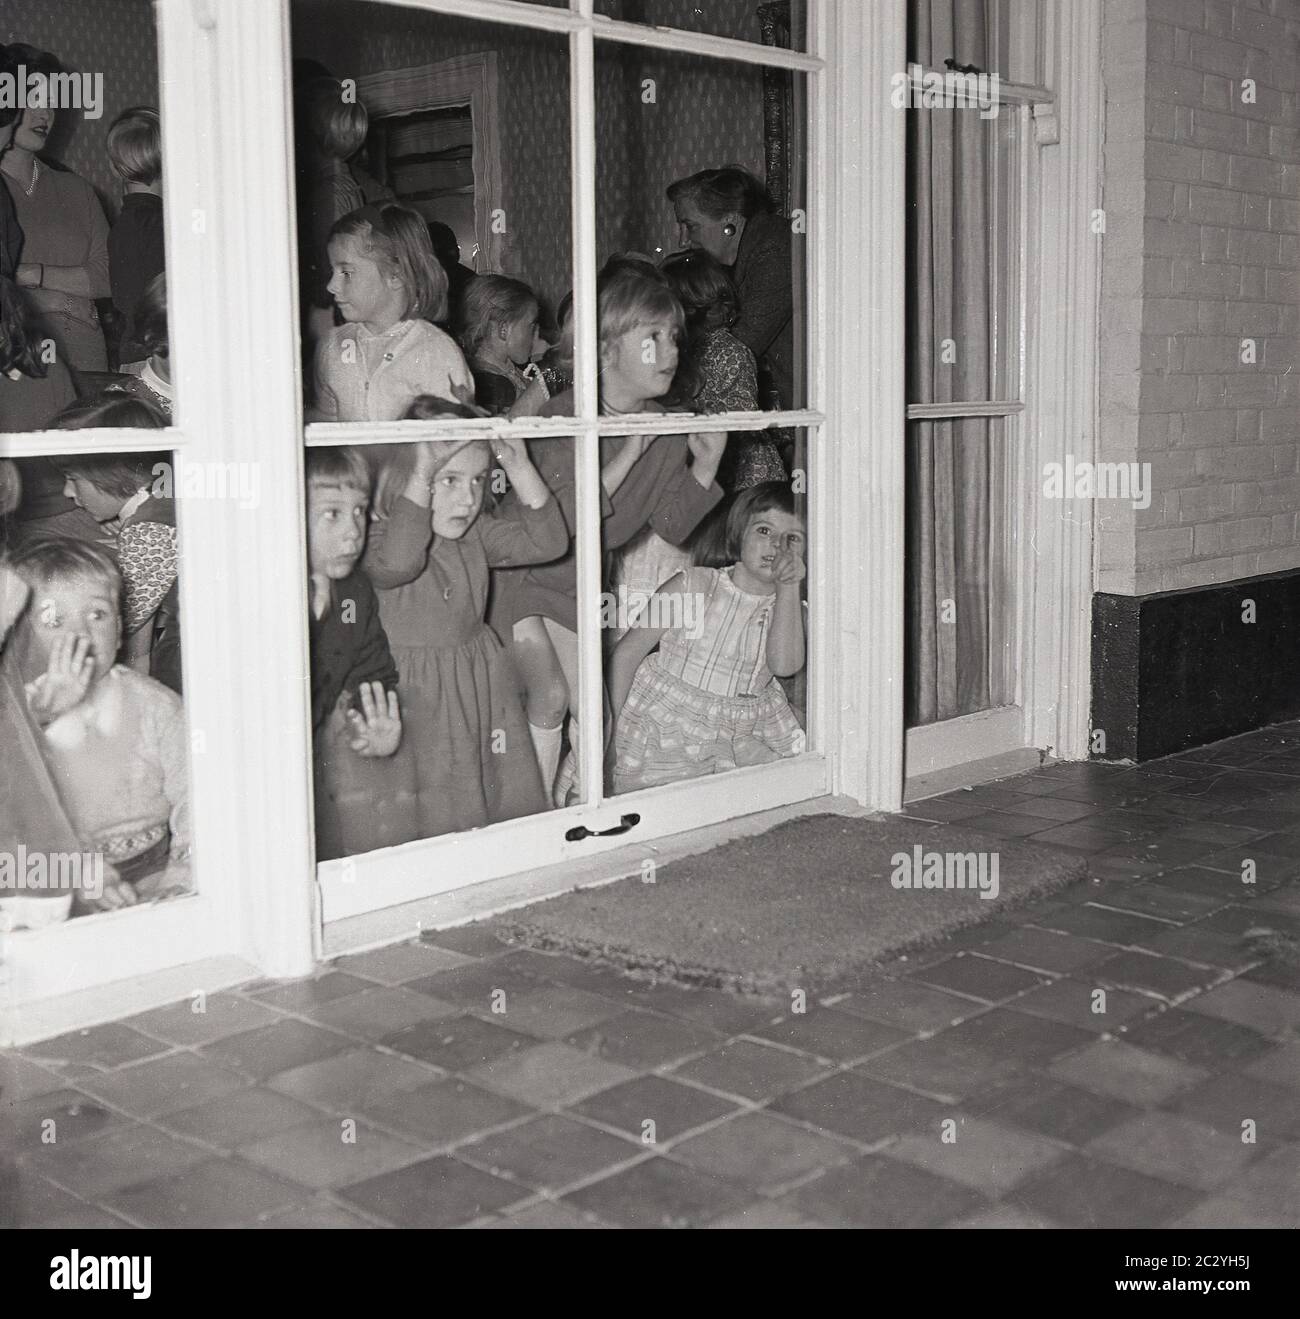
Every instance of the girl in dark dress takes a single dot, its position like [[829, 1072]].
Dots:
[[498, 331]]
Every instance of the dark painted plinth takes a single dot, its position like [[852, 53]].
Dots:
[[1182, 668]]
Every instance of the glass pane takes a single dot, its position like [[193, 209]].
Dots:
[[983, 36], [81, 210], [963, 252], [694, 153], [464, 127], [706, 639], [443, 648], [94, 783], [783, 23]]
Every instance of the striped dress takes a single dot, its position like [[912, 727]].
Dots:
[[706, 701]]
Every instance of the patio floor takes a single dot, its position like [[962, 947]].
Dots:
[[456, 1082]]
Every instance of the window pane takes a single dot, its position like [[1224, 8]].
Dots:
[[465, 126], [94, 790], [993, 36], [733, 159], [456, 594], [81, 210], [706, 657], [963, 239], [783, 23]]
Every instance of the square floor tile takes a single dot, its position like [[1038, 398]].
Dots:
[[1093, 922], [979, 977], [1175, 1149], [550, 1152], [1083, 1192], [1162, 901], [658, 1194], [457, 1043], [475, 985], [908, 1006], [1164, 976], [107, 1046], [654, 1107], [1192, 943], [881, 1192], [311, 992], [379, 1013], [830, 1033], [349, 1083], [555, 1011], [437, 1192], [1199, 1040], [642, 1040], [940, 1068], [1090, 1007], [1135, 1076], [232, 1120], [1270, 1187], [1045, 950], [27, 1199], [93, 1169], [20, 1079], [760, 1150], [726, 1013], [979, 1154], [1280, 1065], [219, 1193], [475, 940], [751, 1070], [549, 1075], [861, 1108], [402, 962], [1261, 1007], [1229, 1100], [329, 1152], [285, 1044], [444, 1112], [1014, 1037], [1063, 1112], [149, 1089], [204, 1018]]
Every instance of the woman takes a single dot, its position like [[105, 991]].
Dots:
[[64, 265], [727, 213]]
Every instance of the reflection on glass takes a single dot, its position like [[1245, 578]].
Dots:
[[94, 800], [707, 670], [81, 213], [420, 727], [781, 23], [432, 163]]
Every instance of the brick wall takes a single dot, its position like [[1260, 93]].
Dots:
[[1215, 281]]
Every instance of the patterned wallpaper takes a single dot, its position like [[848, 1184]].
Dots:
[[705, 113], [114, 37]]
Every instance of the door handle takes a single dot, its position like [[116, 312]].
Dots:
[[579, 832]]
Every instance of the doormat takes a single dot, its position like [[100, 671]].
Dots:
[[803, 906]]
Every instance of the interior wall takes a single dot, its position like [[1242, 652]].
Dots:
[[114, 37]]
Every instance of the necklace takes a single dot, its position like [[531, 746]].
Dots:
[[35, 175]]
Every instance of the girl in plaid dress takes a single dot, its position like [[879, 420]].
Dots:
[[709, 699]]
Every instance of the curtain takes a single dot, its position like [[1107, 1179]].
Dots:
[[948, 462]]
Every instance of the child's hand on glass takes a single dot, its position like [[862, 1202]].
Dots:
[[788, 569], [378, 724], [115, 895], [511, 452], [66, 679]]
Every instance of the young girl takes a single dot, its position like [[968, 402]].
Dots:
[[430, 550], [498, 331], [646, 481], [709, 700], [727, 372], [114, 740], [150, 378], [135, 243], [118, 489], [389, 287], [557, 364]]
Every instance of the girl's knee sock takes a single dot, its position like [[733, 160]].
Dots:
[[546, 745]]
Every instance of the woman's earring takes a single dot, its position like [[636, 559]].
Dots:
[[729, 230]]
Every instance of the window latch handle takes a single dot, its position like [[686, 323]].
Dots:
[[579, 832]]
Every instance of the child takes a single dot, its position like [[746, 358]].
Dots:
[[727, 374], [645, 482], [431, 547], [150, 378], [557, 363], [114, 740], [361, 805], [135, 242], [388, 287], [498, 331], [131, 493], [708, 701]]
